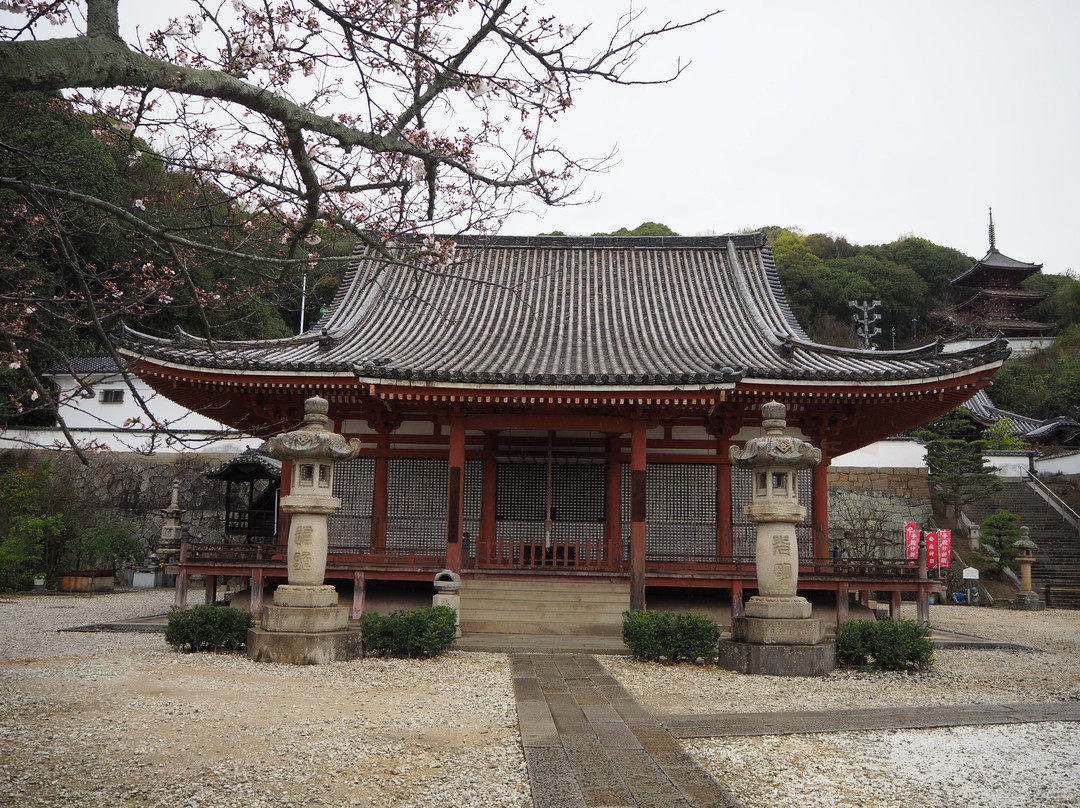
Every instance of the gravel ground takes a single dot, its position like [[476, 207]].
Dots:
[[963, 767], [119, 719]]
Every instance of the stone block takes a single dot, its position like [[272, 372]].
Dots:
[[772, 631], [787, 608], [305, 620], [291, 595], [1028, 602], [303, 649], [778, 660]]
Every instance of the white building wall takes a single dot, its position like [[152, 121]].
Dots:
[[885, 454]]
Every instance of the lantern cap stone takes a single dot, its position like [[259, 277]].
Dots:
[[774, 448], [312, 441]]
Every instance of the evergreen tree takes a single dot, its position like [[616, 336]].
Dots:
[[997, 542]]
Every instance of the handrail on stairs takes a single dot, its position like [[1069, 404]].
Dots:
[[1052, 499]]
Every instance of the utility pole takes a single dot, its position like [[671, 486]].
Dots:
[[865, 319]]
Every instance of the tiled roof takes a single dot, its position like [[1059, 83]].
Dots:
[[84, 364], [995, 265], [251, 465], [567, 311], [982, 409]]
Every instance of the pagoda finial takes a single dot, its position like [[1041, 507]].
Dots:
[[993, 239]]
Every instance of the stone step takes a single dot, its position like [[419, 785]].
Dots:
[[543, 607]]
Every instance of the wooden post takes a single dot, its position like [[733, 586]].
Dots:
[[181, 589], [725, 545], [380, 495], [455, 505], [358, 594], [894, 604], [819, 509], [637, 514], [210, 595], [257, 592], [738, 608], [842, 596], [922, 597]]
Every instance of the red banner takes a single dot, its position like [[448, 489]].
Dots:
[[911, 541], [931, 550], [944, 548]]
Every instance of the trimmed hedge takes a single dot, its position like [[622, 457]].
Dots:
[[893, 645], [409, 633], [208, 628], [671, 636]]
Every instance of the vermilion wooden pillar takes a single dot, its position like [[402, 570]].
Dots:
[[380, 493], [819, 509], [613, 507], [724, 542], [455, 505], [257, 585], [637, 515]]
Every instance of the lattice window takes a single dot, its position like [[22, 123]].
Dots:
[[474, 493], [350, 527], [416, 504], [744, 531], [577, 505], [680, 510], [417, 495]]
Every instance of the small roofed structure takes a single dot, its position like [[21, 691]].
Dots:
[[252, 491]]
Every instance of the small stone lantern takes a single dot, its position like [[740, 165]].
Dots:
[[1026, 599]]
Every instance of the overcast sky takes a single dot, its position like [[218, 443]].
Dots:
[[867, 120]]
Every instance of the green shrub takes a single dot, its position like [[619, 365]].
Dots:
[[208, 628], [409, 632], [888, 645], [673, 636]]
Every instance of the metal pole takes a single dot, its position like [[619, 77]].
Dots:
[[303, 300]]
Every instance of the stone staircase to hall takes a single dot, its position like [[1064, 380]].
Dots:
[[550, 608], [1057, 561]]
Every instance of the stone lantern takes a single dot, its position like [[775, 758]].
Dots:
[[305, 625], [1026, 599], [778, 635]]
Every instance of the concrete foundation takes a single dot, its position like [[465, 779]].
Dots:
[[302, 648], [778, 660]]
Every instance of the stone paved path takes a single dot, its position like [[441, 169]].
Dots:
[[589, 744], [719, 725]]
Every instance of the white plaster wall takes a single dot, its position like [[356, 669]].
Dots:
[[96, 413], [1021, 346], [1009, 465], [97, 424], [1062, 464], [889, 454]]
